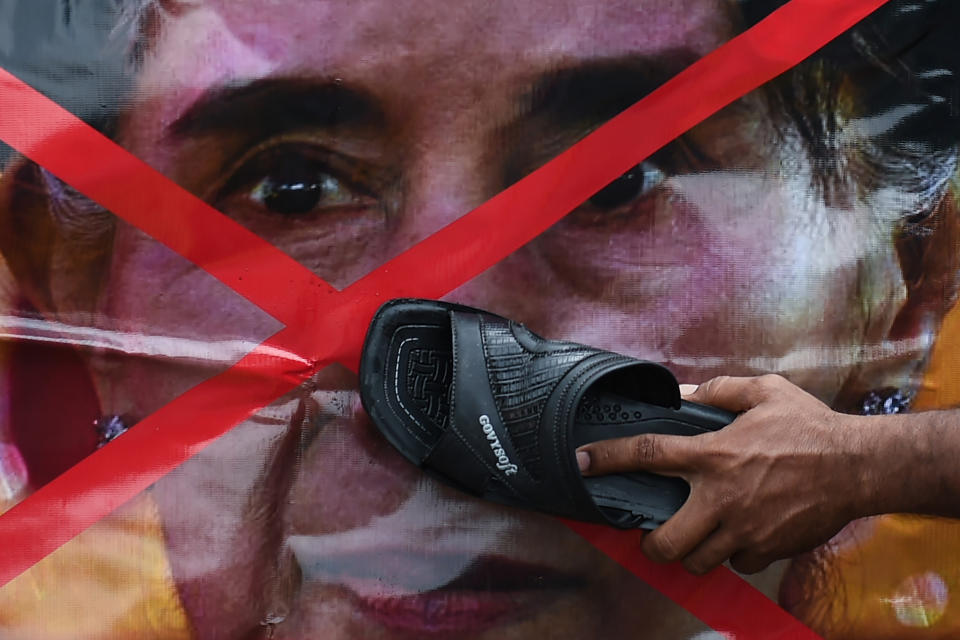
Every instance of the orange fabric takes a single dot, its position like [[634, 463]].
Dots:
[[901, 582], [902, 578], [112, 582], [942, 385]]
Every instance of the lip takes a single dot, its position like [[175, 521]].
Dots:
[[492, 590], [420, 580], [432, 565], [436, 593]]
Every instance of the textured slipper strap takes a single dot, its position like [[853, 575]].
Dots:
[[475, 449]]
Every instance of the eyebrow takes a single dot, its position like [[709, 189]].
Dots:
[[273, 105], [596, 91]]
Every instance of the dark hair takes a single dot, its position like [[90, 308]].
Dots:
[[75, 51], [893, 80]]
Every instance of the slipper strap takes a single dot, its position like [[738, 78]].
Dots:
[[501, 371], [476, 449]]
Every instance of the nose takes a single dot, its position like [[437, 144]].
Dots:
[[446, 177], [351, 475], [452, 174], [348, 473]]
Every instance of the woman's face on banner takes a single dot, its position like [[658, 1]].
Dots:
[[346, 131]]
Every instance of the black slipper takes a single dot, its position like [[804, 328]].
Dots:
[[495, 410]]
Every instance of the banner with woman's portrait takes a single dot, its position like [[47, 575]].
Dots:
[[809, 229]]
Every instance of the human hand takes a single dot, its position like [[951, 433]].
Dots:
[[783, 478]]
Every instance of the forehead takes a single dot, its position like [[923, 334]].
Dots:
[[443, 27], [220, 40]]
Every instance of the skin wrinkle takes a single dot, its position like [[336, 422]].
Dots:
[[278, 589]]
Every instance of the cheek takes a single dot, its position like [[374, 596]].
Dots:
[[151, 288], [636, 257], [793, 296], [219, 550], [687, 257], [347, 473], [724, 273], [806, 286], [340, 247], [172, 326]]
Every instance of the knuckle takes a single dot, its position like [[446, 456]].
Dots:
[[771, 382], [763, 548], [726, 499], [739, 564], [748, 564], [712, 385], [696, 567], [663, 547], [645, 449], [766, 545], [744, 534]]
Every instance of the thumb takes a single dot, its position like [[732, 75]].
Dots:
[[667, 455]]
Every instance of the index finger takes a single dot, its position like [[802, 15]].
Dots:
[[730, 393], [663, 454]]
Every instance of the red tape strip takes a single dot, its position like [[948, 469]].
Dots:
[[721, 599], [324, 325]]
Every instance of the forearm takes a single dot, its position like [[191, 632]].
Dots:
[[912, 463]]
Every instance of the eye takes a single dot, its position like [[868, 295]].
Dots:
[[297, 186], [325, 209], [294, 179], [642, 179]]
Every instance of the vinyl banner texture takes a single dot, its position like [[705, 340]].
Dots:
[[202, 203]]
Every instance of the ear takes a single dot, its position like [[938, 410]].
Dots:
[[57, 261], [930, 261], [928, 253]]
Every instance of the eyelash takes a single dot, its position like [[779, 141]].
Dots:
[[632, 185], [251, 177], [680, 157], [314, 169]]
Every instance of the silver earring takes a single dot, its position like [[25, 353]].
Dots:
[[887, 401], [108, 428]]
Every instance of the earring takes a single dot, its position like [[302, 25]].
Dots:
[[887, 401], [108, 428]]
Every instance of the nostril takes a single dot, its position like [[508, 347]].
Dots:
[[348, 474]]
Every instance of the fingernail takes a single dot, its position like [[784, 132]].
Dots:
[[688, 389], [583, 460]]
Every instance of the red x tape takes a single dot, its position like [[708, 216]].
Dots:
[[313, 311]]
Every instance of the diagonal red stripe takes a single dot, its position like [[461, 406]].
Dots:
[[40, 524], [494, 230], [721, 599], [96, 166]]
